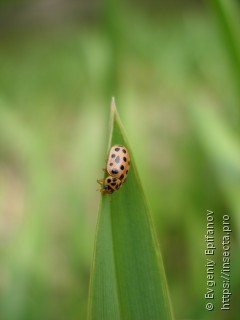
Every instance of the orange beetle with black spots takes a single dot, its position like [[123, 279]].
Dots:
[[118, 164]]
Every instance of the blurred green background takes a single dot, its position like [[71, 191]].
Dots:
[[174, 69]]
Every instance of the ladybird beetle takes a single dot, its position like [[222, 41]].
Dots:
[[118, 164]]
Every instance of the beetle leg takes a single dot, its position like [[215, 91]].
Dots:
[[104, 170], [104, 191], [100, 181]]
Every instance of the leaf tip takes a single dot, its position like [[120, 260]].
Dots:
[[113, 105]]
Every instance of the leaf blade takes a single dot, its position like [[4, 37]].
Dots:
[[126, 253]]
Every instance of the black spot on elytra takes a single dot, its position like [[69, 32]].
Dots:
[[117, 149], [113, 184], [122, 167], [117, 160], [108, 180], [125, 159], [124, 151], [127, 172], [113, 155], [114, 179], [111, 164], [114, 171], [121, 176]]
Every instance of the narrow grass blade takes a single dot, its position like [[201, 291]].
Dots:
[[227, 13], [222, 149], [128, 279]]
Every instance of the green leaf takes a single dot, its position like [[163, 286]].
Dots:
[[227, 14], [221, 146], [127, 279]]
